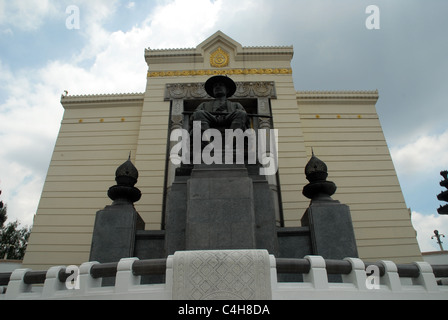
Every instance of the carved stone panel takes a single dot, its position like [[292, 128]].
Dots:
[[222, 275], [197, 91]]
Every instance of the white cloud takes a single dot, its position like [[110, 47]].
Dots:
[[418, 165], [422, 156], [95, 12], [29, 120], [21, 189], [7, 32], [119, 64], [26, 14], [181, 23], [425, 225]]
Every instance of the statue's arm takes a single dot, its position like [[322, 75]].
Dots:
[[201, 107], [239, 107]]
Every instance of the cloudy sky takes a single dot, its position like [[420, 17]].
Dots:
[[44, 51]]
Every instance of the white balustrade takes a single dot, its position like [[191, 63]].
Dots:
[[355, 285]]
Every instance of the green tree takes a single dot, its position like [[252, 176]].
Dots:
[[13, 240], [3, 215]]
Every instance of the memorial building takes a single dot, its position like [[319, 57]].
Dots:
[[172, 206]]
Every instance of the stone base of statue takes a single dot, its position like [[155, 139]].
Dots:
[[218, 207]]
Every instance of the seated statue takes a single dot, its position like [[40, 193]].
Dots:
[[221, 113]]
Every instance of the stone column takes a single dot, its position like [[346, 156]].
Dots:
[[116, 225], [330, 222]]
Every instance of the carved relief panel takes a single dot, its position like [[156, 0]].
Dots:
[[261, 92]]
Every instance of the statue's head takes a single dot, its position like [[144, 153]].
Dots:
[[220, 86]]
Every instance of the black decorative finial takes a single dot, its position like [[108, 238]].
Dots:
[[316, 169], [126, 174], [316, 173], [126, 177]]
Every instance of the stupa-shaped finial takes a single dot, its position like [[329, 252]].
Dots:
[[126, 174], [316, 173], [126, 177], [316, 169]]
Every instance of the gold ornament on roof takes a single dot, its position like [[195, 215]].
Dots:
[[219, 58]]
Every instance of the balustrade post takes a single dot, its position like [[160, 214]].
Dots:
[[17, 284], [426, 278], [391, 278], [169, 276], [125, 278], [358, 274], [52, 283], [86, 281], [318, 272]]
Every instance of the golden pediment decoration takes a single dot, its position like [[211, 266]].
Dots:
[[219, 58]]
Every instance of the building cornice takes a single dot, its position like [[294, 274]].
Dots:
[[153, 53], [67, 100], [219, 40], [335, 95]]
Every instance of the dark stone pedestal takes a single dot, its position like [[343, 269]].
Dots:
[[216, 207], [114, 233], [220, 209], [175, 213], [265, 220], [331, 229]]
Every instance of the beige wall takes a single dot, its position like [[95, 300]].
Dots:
[[345, 132], [97, 133]]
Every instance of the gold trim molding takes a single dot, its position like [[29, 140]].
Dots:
[[214, 72]]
